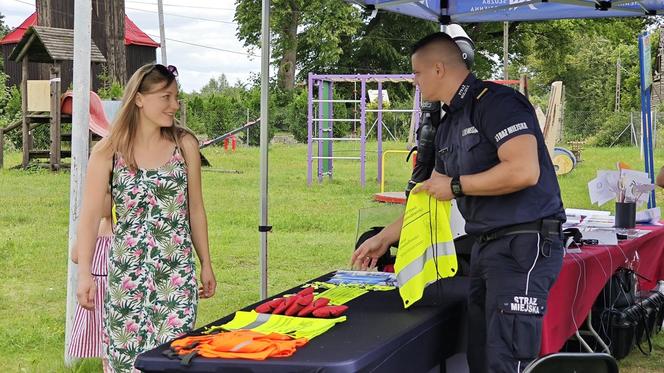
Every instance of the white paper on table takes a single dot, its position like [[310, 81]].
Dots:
[[649, 216], [638, 176], [595, 221], [642, 191], [611, 180], [584, 212], [571, 221], [636, 233], [631, 178], [604, 236], [599, 190]]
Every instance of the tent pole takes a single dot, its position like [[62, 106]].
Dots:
[[79, 148], [506, 31], [379, 130], [265, 80], [310, 130]]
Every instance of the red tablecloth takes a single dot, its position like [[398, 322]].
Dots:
[[583, 276]]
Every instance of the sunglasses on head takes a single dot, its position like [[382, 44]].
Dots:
[[169, 70]]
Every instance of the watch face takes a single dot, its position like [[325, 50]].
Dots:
[[456, 188]]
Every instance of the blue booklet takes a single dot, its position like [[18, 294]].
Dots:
[[363, 278]]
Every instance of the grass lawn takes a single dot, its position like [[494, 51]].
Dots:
[[314, 233]]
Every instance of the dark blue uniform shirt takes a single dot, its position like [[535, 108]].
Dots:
[[481, 117]]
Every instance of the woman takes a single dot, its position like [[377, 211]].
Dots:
[[154, 171]]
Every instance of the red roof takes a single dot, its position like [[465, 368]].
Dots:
[[16, 34], [133, 35]]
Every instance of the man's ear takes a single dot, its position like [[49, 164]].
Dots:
[[440, 69]]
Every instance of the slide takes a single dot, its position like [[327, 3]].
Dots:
[[99, 123], [221, 138]]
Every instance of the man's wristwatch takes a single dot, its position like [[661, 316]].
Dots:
[[455, 184]]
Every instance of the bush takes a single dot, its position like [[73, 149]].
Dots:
[[112, 91], [297, 115], [10, 111], [110, 88], [612, 130], [212, 114]]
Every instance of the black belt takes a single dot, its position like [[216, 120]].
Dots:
[[545, 227]]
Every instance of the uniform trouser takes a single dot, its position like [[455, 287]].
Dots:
[[510, 281]]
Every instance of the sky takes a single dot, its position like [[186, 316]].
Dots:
[[206, 23]]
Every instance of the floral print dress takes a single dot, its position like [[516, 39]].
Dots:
[[152, 290]]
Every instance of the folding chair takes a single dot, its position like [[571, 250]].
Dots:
[[567, 362]]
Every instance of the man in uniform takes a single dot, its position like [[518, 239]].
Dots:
[[492, 159]]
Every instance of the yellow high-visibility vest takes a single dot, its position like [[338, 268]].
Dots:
[[426, 247], [298, 327]]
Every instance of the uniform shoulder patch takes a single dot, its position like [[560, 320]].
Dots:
[[481, 94]]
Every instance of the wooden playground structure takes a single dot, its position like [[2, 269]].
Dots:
[[41, 99]]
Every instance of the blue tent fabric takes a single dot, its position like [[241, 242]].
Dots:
[[474, 11], [470, 11]]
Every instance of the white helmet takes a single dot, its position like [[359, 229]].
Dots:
[[463, 41]]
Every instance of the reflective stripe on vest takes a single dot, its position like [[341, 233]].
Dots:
[[298, 327], [260, 320], [413, 268], [239, 344], [426, 247]]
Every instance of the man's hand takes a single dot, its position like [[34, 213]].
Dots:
[[437, 186], [366, 256]]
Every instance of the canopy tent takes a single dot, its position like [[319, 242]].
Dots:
[[471, 11], [445, 12]]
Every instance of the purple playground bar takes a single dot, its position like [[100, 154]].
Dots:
[[325, 136]]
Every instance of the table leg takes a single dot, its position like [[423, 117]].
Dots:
[[583, 342], [597, 337], [591, 331]]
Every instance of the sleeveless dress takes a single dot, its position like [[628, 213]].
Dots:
[[152, 290], [86, 337]]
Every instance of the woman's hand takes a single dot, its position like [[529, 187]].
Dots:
[[85, 294], [208, 282]]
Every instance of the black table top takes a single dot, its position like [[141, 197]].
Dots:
[[378, 335]]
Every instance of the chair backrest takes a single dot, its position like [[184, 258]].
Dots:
[[567, 362]]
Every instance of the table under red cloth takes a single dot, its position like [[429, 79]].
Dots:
[[583, 276]]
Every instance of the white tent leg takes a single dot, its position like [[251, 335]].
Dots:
[[265, 79], [79, 147]]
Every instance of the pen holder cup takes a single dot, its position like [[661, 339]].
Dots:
[[625, 214]]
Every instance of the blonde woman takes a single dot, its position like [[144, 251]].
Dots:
[[154, 170]]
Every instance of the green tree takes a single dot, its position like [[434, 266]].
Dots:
[[216, 85], [582, 54], [319, 25], [4, 29]]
